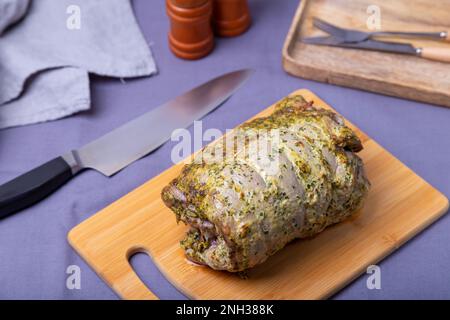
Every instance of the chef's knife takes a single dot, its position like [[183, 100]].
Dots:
[[433, 53], [119, 148]]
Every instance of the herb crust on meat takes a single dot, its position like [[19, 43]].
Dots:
[[247, 206]]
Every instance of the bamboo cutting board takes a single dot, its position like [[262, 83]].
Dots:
[[387, 73], [399, 205]]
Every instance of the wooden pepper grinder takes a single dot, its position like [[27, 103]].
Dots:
[[191, 36], [230, 17]]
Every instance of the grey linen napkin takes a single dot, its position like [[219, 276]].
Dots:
[[45, 58], [11, 11]]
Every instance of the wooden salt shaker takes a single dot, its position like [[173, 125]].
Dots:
[[191, 36], [230, 17]]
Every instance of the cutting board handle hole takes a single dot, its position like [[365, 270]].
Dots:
[[143, 266]]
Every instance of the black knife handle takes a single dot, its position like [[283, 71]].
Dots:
[[33, 186]]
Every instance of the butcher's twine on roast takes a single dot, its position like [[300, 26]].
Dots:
[[285, 176]]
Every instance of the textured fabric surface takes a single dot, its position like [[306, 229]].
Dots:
[[11, 11], [34, 253], [39, 54]]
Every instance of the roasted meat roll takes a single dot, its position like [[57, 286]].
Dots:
[[271, 180]]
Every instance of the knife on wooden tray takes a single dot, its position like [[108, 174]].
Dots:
[[347, 38]]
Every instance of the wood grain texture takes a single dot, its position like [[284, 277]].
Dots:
[[392, 74], [399, 205]]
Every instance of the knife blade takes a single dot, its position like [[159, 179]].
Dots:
[[117, 149], [375, 45], [441, 54]]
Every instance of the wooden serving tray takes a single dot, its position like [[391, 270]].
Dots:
[[399, 205], [387, 73]]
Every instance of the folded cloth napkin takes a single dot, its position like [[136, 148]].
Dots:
[[11, 11], [44, 59]]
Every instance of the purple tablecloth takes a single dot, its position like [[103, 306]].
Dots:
[[34, 253]]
